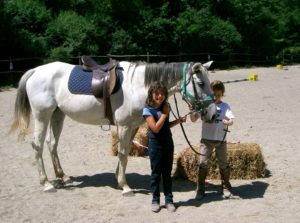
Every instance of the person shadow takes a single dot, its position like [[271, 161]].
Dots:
[[253, 190]]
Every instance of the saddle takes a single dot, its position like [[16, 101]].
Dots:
[[103, 81]]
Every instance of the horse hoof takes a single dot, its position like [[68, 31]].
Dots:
[[66, 179], [127, 193], [49, 188], [58, 183]]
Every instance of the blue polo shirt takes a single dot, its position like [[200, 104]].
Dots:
[[165, 134]]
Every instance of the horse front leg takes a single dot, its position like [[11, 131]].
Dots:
[[125, 134]]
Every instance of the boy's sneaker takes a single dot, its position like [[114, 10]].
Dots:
[[155, 207], [199, 195], [170, 207]]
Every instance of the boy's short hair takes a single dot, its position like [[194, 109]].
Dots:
[[217, 85]]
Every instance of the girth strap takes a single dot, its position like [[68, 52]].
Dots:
[[103, 82], [102, 87]]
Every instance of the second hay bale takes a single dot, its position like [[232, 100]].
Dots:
[[246, 162]]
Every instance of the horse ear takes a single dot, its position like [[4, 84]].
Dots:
[[208, 64], [196, 67]]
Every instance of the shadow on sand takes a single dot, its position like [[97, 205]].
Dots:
[[140, 184], [254, 190]]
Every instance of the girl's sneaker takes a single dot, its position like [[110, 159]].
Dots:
[[170, 207], [155, 207]]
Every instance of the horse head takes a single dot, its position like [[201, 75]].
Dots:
[[196, 90]]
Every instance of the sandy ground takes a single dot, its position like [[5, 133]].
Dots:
[[267, 113]]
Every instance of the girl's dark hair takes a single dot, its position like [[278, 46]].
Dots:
[[156, 87]]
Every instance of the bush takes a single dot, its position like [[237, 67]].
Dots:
[[289, 55]]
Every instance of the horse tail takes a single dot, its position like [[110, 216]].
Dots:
[[22, 113]]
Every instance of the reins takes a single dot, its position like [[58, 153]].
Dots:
[[185, 94], [182, 128]]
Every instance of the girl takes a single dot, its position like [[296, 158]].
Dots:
[[161, 146]]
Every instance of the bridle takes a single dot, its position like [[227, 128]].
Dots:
[[198, 103]]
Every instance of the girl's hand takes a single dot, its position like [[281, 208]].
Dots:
[[182, 119], [177, 121], [166, 109]]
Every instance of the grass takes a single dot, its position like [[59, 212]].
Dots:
[[6, 87]]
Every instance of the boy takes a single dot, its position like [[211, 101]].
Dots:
[[214, 136]]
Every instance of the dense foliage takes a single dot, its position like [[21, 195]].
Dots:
[[64, 29]]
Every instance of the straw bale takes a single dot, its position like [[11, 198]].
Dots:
[[245, 159], [140, 139]]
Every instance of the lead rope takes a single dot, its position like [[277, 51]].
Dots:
[[225, 130], [182, 128]]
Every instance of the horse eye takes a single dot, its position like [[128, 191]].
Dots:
[[201, 83]]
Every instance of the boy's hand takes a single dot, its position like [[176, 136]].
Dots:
[[166, 109], [227, 122], [191, 107]]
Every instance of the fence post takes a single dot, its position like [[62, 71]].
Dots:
[[148, 57], [11, 74], [229, 60], [11, 65]]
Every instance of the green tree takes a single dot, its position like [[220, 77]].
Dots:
[[62, 29], [155, 32], [69, 35], [6, 37], [122, 43], [199, 31], [27, 20], [105, 25]]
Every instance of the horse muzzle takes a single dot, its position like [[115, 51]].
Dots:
[[208, 114], [206, 107]]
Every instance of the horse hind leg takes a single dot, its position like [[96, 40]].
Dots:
[[56, 125], [40, 128]]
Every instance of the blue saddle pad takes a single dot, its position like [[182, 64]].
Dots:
[[80, 82]]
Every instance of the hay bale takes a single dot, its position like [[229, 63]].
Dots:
[[140, 140], [114, 142], [245, 159]]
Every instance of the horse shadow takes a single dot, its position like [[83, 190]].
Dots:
[[254, 190], [140, 183], [108, 179]]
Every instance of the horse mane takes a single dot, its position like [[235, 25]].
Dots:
[[163, 72]]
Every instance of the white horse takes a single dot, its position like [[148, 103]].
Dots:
[[43, 91]]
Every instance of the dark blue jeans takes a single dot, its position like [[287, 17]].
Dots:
[[161, 160]]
